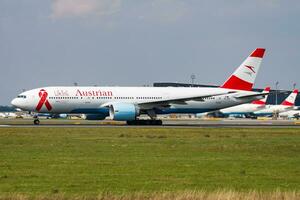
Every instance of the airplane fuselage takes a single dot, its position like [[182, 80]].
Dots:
[[93, 99], [269, 110], [242, 109]]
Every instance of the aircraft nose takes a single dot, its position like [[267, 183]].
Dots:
[[14, 102]]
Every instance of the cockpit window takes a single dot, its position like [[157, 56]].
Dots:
[[21, 96]]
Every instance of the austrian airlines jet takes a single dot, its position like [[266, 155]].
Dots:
[[248, 108], [286, 105], [290, 114], [127, 103]]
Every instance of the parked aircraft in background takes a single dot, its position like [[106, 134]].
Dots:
[[291, 114], [286, 105], [246, 109], [8, 115], [51, 115], [127, 103]]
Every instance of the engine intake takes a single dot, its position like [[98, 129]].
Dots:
[[123, 111]]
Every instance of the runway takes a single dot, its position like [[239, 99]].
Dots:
[[167, 123]]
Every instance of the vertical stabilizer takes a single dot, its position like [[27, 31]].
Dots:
[[264, 100], [290, 100], [244, 76]]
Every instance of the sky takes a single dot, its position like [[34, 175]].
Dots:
[[138, 42]]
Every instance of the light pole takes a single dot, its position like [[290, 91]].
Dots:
[[193, 77], [277, 83]]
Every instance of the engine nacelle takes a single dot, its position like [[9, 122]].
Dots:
[[123, 111], [95, 117]]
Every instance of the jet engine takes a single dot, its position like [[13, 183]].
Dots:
[[123, 111]]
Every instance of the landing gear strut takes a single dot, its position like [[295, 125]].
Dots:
[[144, 122]]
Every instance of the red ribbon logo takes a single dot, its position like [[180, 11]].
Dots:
[[43, 100]]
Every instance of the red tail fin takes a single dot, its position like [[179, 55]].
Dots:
[[244, 76], [264, 100], [290, 100]]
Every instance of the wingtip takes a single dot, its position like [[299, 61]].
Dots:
[[258, 53], [296, 91]]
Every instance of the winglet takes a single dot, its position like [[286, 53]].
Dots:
[[290, 100], [244, 76], [264, 100]]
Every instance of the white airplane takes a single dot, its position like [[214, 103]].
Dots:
[[248, 108], [127, 103], [286, 105], [290, 114], [8, 115], [2, 115]]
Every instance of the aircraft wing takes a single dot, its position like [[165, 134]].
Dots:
[[252, 95], [182, 100], [167, 102]]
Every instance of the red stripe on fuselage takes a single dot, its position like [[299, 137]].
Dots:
[[237, 84]]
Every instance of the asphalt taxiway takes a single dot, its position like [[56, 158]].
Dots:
[[167, 123]]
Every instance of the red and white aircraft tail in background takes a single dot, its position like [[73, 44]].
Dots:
[[248, 108], [263, 101], [290, 100], [286, 105], [127, 103]]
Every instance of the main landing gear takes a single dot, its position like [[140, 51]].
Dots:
[[145, 122]]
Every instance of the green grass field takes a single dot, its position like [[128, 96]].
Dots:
[[92, 161]]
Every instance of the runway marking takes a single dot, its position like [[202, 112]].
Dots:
[[4, 125]]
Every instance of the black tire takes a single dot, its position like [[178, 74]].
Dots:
[[36, 122], [144, 123], [158, 122], [130, 123]]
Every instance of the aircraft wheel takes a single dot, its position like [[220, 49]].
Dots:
[[158, 122], [36, 122], [130, 123], [144, 122]]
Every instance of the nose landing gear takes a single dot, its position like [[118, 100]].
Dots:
[[36, 121]]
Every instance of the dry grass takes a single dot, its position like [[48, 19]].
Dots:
[[217, 195]]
